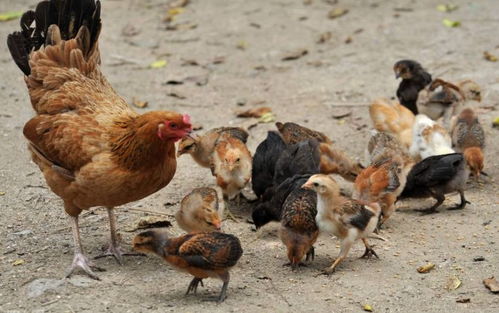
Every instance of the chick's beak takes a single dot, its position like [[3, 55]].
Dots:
[[307, 185], [397, 74]]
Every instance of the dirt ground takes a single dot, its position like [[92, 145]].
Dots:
[[238, 46]]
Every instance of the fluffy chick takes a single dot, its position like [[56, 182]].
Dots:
[[199, 211], [384, 179], [414, 79], [270, 207], [347, 219], [231, 165], [264, 161], [335, 161], [435, 177], [293, 133], [429, 138], [468, 137], [298, 229], [442, 99], [300, 158], [395, 119], [203, 255], [201, 147]]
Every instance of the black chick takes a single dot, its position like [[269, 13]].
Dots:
[[270, 207], [435, 177], [301, 158], [299, 230], [264, 160], [414, 79]]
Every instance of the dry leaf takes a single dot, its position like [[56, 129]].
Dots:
[[342, 115], [7, 16], [2, 193], [129, 30], [337, 12], [190, 62], [197, 126], [492, 284], [176, 94], [255, 112], [367, 307], [242, 45], [148, 222], [139, 104], [178, 3], [182, 26], [294, 55], [200, 80], [325, 37], [489, 56], [171, 13], [158, 64], [463, 300], [18, 262], [348, 40], [426, 268], [267, 118], [449, 7], [218, 60], [453, 283], [450, 23], [307, 2]]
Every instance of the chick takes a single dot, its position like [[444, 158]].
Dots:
[[231, 165], [270, 207], [335, 161], [298, 229], [300, 158], [293, 133], [429, 138], [414, 79], [264, 161], [395, 119], [442, 99], [203, 255], [435, 177], [347, 219], [469, 138], [201, 147], [385, 178], [199, 211]]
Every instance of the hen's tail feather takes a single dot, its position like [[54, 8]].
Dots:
[[73, 18]]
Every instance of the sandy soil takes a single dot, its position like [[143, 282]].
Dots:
[[249, 39]]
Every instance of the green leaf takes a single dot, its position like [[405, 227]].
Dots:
[[158, 64], [7, 16]]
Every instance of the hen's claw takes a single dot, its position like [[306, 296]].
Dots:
[[80, 261]]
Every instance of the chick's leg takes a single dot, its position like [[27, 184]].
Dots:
[[193, 286], [227, 213], [440, 199], [346, 244], [369, 250], [223, 294], [462, 204], [114, 248], [80, 261]]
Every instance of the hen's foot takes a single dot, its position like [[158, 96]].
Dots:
[[80, 261], [117, 252]]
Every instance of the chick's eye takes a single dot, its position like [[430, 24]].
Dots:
[[238, 159], [173, 126], [209, 223], [316, 185]]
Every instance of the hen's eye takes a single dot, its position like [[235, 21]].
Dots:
[[173, 126]]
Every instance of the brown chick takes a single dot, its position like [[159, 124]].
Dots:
[[347, 219], [393, 118], [468, 137], [298, 229], [201, 147], [384, 180], [199, 211], [231, 166], [442, 99], [203, 255], [335, 161], [293, 133]]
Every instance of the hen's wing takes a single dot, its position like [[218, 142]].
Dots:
[[211, 251]]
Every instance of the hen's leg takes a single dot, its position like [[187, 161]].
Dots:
[[114, 248], [80, 261]]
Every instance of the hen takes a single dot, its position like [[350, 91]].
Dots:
[[92, 148]]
